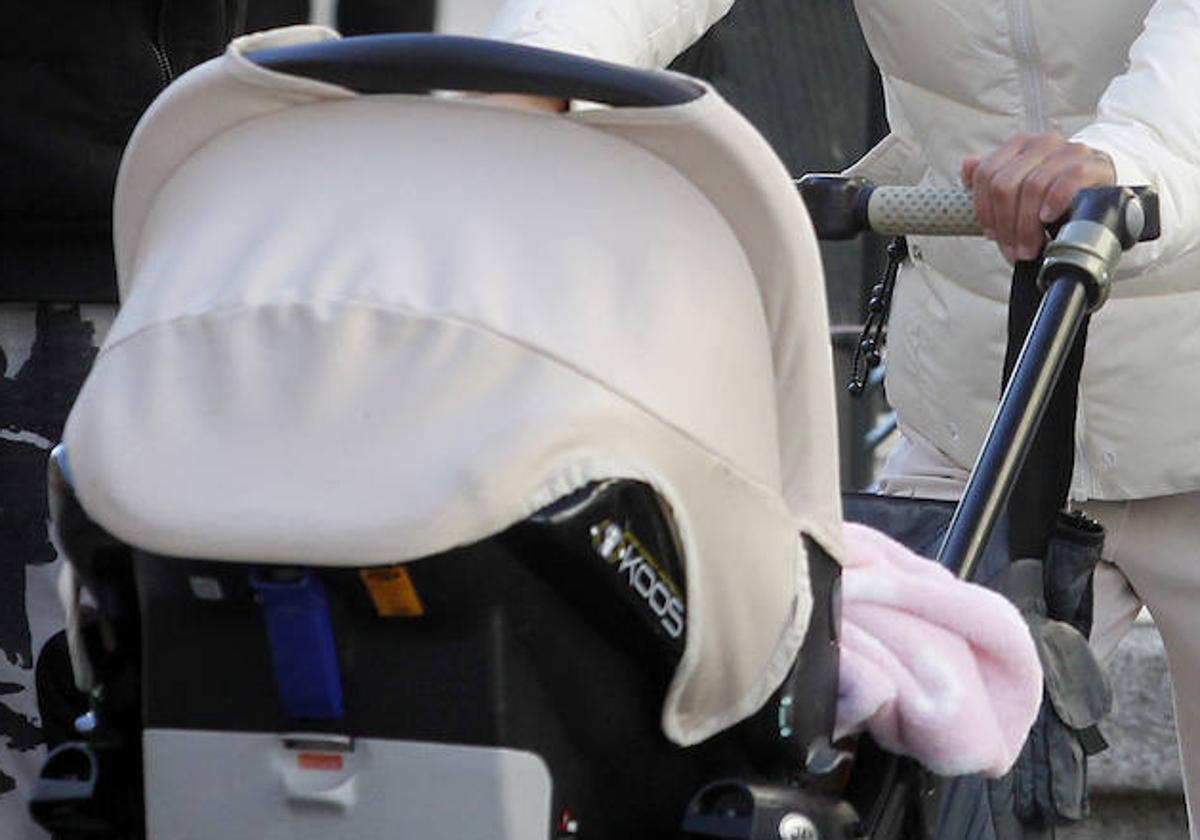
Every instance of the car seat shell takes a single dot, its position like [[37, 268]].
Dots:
[[354, 333]]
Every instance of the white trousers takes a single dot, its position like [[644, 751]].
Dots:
[[1152, 554]]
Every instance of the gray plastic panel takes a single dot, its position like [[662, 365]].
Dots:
[[922, 210], [238, 786]]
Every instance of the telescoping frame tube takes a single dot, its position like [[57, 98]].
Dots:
[[1057, 322]]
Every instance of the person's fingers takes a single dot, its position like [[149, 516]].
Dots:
[[1029, 234], [526, 100], [1091, 168], [1029, 231], [982, 175], [1010, 182], [1028, 182], [1050, 188], [969, 165]]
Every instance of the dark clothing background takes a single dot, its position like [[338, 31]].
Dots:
[[74, 79]]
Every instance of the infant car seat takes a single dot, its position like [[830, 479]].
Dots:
[[450, 470]]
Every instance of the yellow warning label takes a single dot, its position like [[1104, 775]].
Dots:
[[392, 592]]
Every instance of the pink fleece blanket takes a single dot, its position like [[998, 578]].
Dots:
[[932, 667]]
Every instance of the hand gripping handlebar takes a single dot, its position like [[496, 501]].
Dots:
[[1102, 223], [1076, 270]]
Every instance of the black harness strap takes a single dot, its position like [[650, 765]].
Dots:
[[1041, 488]]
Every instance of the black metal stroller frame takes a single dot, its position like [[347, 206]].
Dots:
[[803, 796], [1074, 276]]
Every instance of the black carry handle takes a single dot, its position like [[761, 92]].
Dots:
[[418, 63]]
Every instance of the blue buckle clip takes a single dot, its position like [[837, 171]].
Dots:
[[303, 652]]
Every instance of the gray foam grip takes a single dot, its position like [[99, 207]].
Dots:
[[922, 210]]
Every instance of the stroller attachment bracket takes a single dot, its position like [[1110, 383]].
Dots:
[[1104, 221], [747, 811], [91, 788]]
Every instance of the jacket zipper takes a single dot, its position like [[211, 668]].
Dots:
[[165, 71], [1026, 52], [164, 64]]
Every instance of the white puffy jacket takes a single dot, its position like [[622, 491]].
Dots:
[[962, 78]]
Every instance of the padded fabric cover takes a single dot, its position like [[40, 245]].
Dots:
[[359, 330]]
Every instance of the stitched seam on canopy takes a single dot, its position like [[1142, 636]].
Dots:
[[460, 322]]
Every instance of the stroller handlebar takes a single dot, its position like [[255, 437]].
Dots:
[[1075, 274], [419, 63], [928, 211], [842, 208]]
